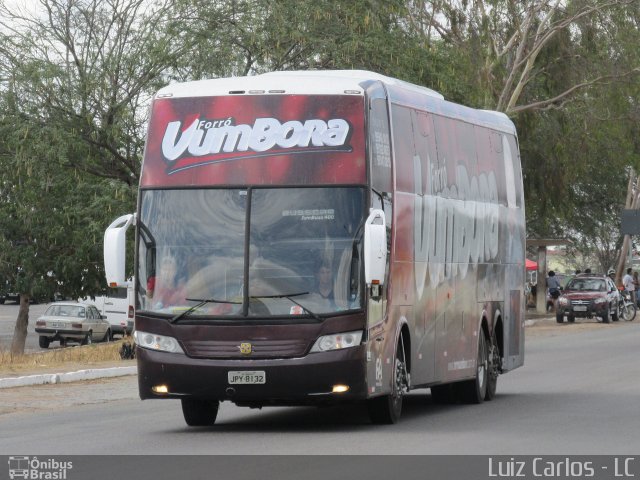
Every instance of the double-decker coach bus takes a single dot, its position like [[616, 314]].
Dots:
[[320, 237]]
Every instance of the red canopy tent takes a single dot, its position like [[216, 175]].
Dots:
[[530, 264]]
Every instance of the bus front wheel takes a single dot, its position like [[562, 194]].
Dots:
[[199, 413], [386, 409]]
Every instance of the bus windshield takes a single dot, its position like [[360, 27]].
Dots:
[[301, 253]]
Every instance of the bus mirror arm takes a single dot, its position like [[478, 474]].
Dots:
[[115, 250], [375, 250]]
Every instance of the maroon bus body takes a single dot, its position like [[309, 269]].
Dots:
[[449, 180]]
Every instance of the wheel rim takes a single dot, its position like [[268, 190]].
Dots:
[[399, 386], [494, 361], [482, 362]]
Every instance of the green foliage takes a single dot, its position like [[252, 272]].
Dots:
[[52, 217], [77, 80]]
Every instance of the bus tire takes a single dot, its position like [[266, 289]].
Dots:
[[199, 413], [474, 390], [494, 368], [386, 409]]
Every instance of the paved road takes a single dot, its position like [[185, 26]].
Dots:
[[579, 393]]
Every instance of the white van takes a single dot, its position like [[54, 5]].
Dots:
[[118, 307]]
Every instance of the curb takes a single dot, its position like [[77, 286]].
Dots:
[[53, 378]]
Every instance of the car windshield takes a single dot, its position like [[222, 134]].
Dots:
[[587, 284], [303, 249], [65, 311]]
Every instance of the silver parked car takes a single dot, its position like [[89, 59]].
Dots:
[[78, 322]]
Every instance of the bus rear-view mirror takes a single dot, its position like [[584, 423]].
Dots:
[[375, 248], [115, 250]]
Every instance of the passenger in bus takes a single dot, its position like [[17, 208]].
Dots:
[[164, 290], [324, 279]]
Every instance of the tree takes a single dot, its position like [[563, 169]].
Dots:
[[567, 74], [76, 78], [255, 37], [52, 218], [89, 68], [508, 42]]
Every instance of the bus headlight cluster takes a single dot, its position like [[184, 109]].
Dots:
[[154, 341], [337, 341]]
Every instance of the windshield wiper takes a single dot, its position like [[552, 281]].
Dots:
[[288, 297], [201, 302]]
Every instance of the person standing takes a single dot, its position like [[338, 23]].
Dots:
[[629, 287], [553, 284]]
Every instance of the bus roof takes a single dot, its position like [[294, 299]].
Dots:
[[303, 82], [335, 82]]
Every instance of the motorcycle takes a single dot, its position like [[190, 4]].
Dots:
[[627, 309]]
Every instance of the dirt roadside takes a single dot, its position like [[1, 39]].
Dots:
[[59, 396]]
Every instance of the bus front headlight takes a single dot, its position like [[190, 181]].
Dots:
[[337, 341], [153, 341]]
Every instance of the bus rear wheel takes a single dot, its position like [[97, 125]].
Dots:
[[199, 413], [475, 390], [494, 367], [386, 409]]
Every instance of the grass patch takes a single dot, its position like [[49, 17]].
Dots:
[[85, 356]]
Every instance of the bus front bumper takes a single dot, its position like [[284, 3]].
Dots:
[[290, 381]]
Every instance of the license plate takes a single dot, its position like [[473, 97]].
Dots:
[[580, 308], [57, 325], [247, 378]]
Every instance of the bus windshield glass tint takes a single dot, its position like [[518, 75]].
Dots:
[[303, 243]]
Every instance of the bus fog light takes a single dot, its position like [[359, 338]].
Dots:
[[160, 389], [340, 388], [337, 341], [153, 341]]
